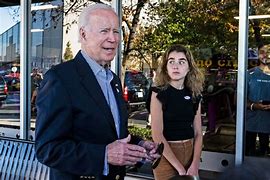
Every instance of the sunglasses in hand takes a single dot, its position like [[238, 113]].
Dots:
[[160, 149]]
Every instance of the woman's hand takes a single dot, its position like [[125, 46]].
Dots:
[[193, 170], [181, 171]]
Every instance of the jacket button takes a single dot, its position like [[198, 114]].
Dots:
[[117, 177]]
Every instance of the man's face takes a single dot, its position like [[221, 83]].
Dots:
[[100, 38], [264, 54]]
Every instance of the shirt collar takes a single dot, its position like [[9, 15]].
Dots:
[[96, 68]]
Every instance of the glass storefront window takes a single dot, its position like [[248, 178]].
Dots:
[[4, 46], [1, 44], [9, 73], [46, 51], [16, 40], [219, 65]]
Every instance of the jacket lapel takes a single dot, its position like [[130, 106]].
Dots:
[[90, 83], [117, 90]]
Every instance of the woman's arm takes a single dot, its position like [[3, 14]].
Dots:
[[197, 124], [157, 133]]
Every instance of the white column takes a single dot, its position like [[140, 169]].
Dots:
[[241, 80], [25, 59], [116, 63]]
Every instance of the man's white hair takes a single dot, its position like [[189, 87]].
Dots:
[[84, 16]]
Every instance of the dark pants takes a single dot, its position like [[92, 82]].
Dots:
[[212, 114], [251, 143]]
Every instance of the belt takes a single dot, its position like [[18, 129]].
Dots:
[[87, 177], [116, 177], [181, 141]]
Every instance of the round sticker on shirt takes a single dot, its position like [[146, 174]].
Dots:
[[187, 97]]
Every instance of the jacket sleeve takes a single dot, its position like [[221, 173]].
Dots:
[[55, 145]]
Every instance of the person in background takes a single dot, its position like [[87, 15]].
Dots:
[[151, 77], [151, 80], [258, 104], [176, 115], [36, 79], [81, 127]]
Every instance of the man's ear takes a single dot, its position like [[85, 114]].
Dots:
[[82, 33]]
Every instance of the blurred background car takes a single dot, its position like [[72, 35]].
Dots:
[[135, 89], [13, 83], [3, 89]]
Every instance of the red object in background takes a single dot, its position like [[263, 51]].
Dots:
[[5, 89], [13, 75], [125, 94], [134, 72]]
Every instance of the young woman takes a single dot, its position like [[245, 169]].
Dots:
[[175, 112]]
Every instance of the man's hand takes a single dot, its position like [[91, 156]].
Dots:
[[121, 153], [151, 149], [260, 106]]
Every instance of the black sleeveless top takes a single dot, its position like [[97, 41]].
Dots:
[[179, 110]]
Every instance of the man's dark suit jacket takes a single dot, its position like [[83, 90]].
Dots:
[[74, 122]]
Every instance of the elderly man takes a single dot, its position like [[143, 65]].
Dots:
[[81, 127]]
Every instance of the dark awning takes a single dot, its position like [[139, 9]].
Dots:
[[4, 3]]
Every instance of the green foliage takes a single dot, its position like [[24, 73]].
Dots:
[[199, 24], [196, 23], [144, 133], [68, 55]]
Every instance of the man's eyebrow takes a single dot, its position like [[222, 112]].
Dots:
[[181, 59], [108, 28]]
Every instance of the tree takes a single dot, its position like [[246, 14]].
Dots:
[[259, 26], [68, 55], [131, 19], [187, 22], [199, 24]]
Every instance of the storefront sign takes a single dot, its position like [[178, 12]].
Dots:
[[230, 64]]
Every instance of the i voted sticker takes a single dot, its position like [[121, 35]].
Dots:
[[187, 97]]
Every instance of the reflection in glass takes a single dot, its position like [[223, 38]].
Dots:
[[9, 71], [46, 51]]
